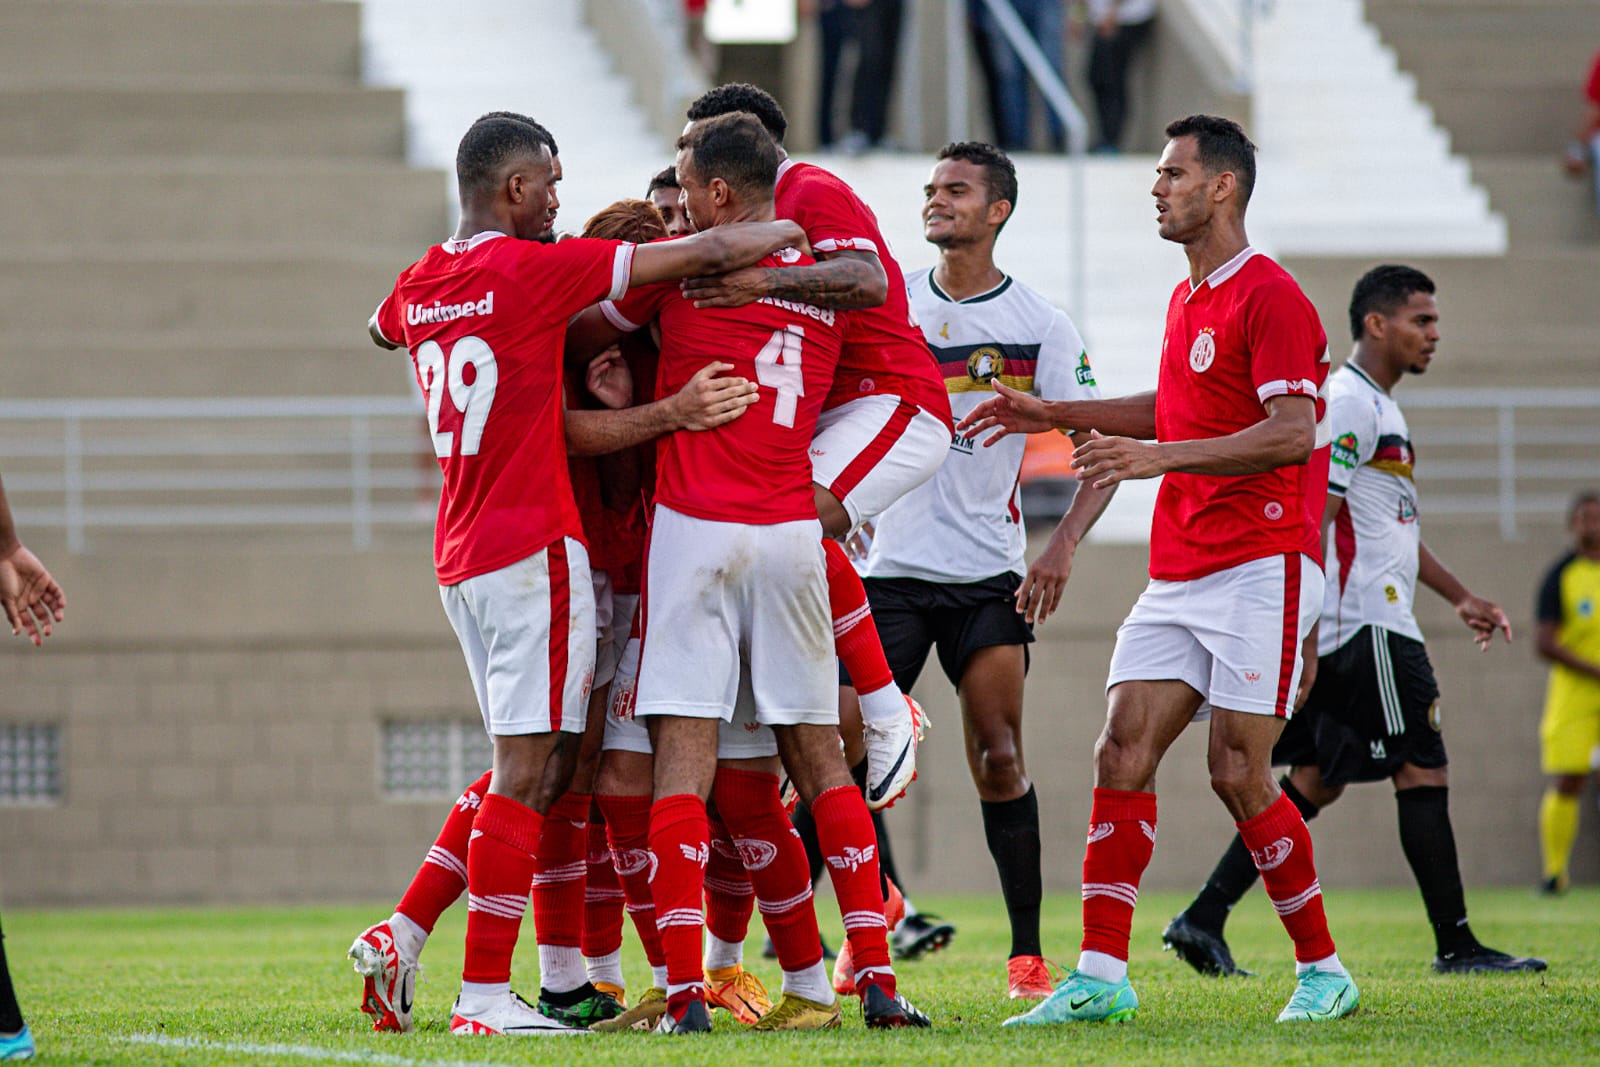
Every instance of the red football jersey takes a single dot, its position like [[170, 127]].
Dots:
[[756, 469], [884, 351], [616, 538], [1244, 335], [485, 320]]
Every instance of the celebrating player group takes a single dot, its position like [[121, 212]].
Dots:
[[657, 439]]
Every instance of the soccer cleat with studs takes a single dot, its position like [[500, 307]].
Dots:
[[509, 1014], [880, 1011], [643, 1015], [390, 979], [794, 1012], [1202, 949], [738, 992], [1081, 998]]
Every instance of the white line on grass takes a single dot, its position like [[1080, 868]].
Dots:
[[310, 1052]]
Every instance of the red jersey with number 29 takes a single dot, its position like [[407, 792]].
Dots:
[[755, 470], [884, 350], [1241, 337], [485, 320]]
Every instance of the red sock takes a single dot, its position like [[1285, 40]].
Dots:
[[1122, 834], [628, 834], [679, 845], [730, 900], [850, 847], [1281, 846], [776, 862], [602, 896], [559, 866], [499, 869], [855, 635], [443, 874]]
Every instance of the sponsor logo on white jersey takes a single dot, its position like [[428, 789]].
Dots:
[[1101, 830], [419, 314], [853, 858], [1273, 855]]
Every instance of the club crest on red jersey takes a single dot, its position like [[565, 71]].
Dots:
[[1203, 351]]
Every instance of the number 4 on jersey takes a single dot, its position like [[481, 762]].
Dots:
[[438, 374], [778, 367]]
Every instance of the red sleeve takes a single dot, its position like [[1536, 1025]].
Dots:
[[835, 219], [639, 306], [566, 277], [1286, 342], [388, 318], [1592, 90]]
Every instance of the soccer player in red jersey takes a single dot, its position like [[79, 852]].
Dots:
[[885, 425], [734, 591], [1235, 568], [665, 194], [483, 316]]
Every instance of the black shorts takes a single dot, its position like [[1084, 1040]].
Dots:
[[957, 618], [1374, 706]]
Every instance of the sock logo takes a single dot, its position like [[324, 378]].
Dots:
[[853, 858], [599, 857], [1099, 831], [630, 861], [1149, 830], [725, 849], [755, 853], [700, 854], [469, 801], [1273, 855]]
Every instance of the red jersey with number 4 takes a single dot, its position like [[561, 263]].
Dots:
[[755, 470], [884, 351], [485, 320], [1241, 337]]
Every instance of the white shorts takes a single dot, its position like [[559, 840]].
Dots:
[[874, 450], [1233, 636], [720, 596], [613, 620], [527, 631], [743, 738]]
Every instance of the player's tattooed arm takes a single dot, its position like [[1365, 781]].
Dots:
[[706, 401], [843, 280], [714, 251]]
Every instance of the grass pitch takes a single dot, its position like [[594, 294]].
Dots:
[[199, 987]]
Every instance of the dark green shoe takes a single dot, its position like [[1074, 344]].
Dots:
[[582, 1008]]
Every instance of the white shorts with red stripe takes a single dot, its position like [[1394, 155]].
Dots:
[[723, 599], [527, 631], [1232, 636], [613, 620], [872, 451]]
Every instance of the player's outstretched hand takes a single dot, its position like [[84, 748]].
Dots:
[[33, 601], [1484, 617], [1010, 412], [609, 380], [707, 401], [734, 289], [1104, 461], [1040, 592]]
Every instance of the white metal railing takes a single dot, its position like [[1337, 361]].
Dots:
[[82, 465], [1506, 452]]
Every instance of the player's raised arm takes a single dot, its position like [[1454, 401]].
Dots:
[[1016, 412], [843, 279], [714, 251]]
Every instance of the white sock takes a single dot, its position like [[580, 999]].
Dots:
[[561, 968], [607, 968], [1101, 966], [684, 987], [481, 996], [720, 953], [658, 976], [408, 936], [884, 705], [1330, 964], [811, 983]]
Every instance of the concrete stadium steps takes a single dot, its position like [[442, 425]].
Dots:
[[266, 120], [1503, 75], [1543, 205], [148, 296], [260, 363], [220, 205], [67, 42]]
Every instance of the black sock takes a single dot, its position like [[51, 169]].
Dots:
[[1430, 848], [10, 1010], [886, 871], [1236, 872], [806, 827], [1012, 830], [570, 997]]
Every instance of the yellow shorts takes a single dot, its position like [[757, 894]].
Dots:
[[1568, 736]]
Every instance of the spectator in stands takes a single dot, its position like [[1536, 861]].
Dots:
[[1121, 28], [1569, 638], [33, 604], [871, 28], [1045, 23], [1583, 154]]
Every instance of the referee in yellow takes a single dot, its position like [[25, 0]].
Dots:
[[1569, 637]]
